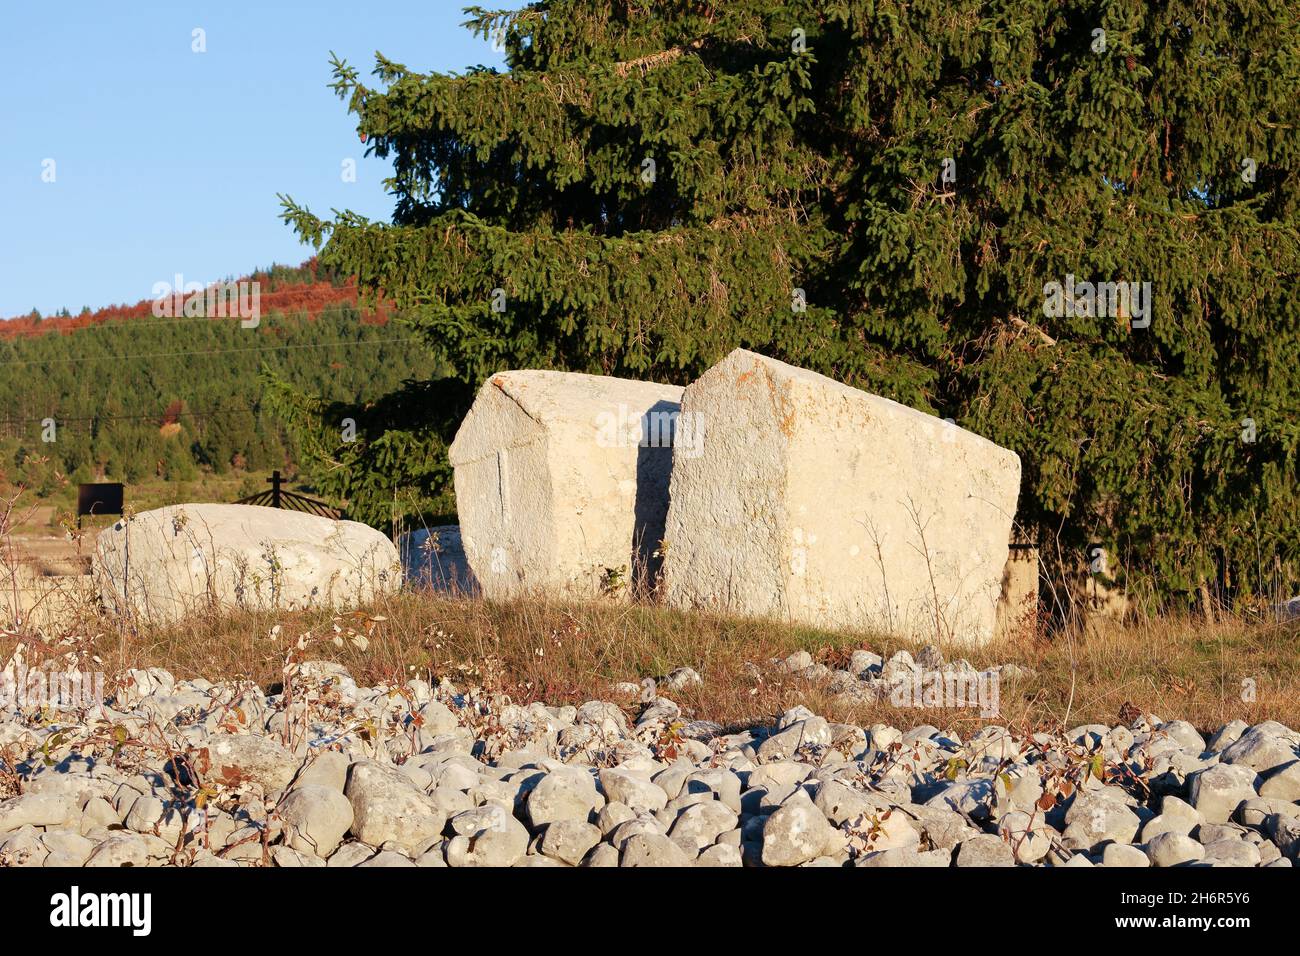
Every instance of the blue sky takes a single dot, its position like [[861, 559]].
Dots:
[[168, 161]]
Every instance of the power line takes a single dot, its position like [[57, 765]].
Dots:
[[132, 322], [251, 348], [158, 416]]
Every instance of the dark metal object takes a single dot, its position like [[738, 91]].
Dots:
[[277, 497], [99, 498]]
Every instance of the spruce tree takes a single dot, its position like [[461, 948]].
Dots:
[[884, 193]]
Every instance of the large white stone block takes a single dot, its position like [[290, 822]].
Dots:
[[562, 482], [161, 565], [819, 503]]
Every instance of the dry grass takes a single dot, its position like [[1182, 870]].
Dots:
[[567, 653]]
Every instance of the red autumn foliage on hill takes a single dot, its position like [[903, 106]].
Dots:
[[304, 290]]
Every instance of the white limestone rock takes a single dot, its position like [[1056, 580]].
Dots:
[[385, 807], [818, 503], [1218, 791], [562, 482], [162, 565], [316, 818]]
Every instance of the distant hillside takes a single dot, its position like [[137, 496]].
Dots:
[[126, 395], [295, 290]]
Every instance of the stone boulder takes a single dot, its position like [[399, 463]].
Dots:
[[1218, 791], [237, 758], [435, 558], [796, 833], [818, 503], [315, 819], [387, 807], [562, 482], [161, 565]]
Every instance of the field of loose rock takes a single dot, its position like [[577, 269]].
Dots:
[[329, 773]]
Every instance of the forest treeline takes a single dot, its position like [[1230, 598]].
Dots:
[[122, 395]]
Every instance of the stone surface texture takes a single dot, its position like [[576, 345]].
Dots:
[[562, 482], [819, 503], [161, 565]]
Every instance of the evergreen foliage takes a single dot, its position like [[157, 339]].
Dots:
[[145, 397], [654, 183]]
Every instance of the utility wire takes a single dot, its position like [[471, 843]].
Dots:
[[157, 417], [250, 348]]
